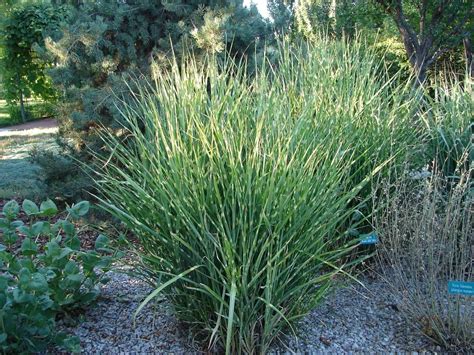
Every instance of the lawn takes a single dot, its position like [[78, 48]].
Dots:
[[19, 177], [4, 115]]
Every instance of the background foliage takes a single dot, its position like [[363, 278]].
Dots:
[[108, 46], [23, 70], [243, 163]]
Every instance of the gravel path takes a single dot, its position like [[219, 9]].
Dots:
[[48, 125], [354, 319]]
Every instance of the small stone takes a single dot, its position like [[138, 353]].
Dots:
[[325, 340], [394, 307]]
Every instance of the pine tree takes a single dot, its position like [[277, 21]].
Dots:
[[110, 45]]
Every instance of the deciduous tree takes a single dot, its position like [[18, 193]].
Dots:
[[430, 28], [23, 70]]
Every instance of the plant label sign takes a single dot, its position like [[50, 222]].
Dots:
[[461, 288], [366, 239]]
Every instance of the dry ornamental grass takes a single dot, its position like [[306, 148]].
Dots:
[[427, 239]]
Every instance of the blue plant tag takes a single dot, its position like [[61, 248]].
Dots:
[[370, 238], [461, 288]]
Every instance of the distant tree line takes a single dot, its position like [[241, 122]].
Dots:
[[83, 54]]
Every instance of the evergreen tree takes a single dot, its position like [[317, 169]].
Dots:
[[334, 17], [282, 14], [111, 44]]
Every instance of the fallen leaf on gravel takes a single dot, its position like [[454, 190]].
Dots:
[[325, 341]]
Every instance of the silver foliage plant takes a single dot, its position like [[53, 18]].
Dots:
[[426, 227]]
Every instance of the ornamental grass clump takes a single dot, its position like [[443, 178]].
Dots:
[[450, 125], [426, 227], [238, 188]]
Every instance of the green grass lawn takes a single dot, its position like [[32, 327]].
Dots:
[[4, 115], [19, 177]]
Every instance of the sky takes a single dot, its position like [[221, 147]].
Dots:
[[261, 6]]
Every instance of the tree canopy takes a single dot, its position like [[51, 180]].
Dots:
[[108, 47], [430, 28], [23, 70]]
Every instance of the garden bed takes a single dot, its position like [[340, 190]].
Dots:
[[356, 318], [87, 234]]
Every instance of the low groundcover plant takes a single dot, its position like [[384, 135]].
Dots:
[[43, 273]]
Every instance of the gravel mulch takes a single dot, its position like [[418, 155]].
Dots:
[[354, 319], [108, 326]]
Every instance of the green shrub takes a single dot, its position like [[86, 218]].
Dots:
[[426, 232], [62, 176], [238, 188], [43, 272], [15, 115], [33, 110]]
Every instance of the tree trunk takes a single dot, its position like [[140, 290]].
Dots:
[[332, 16], [468, 56], [22, 99], [22, 107], [420, 68], [332, 9], [416, 54]]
